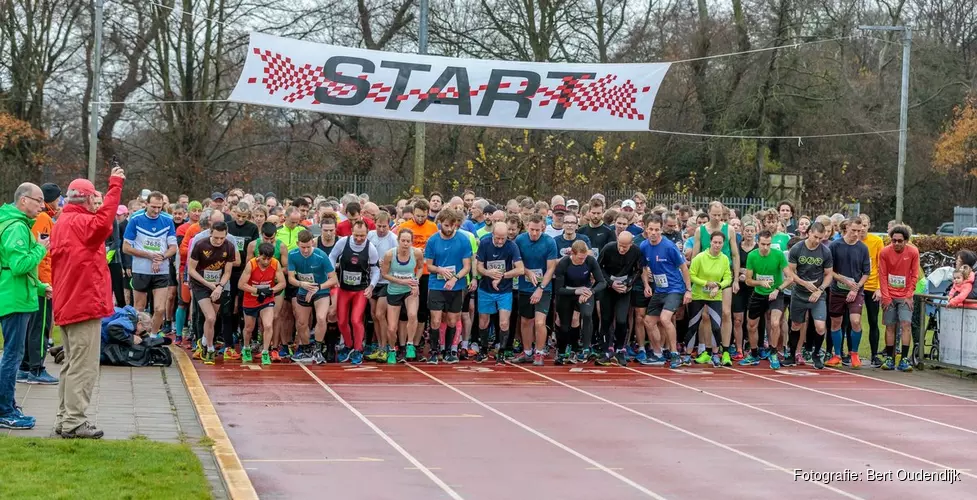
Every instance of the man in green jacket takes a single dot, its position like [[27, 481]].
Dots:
[[20, 254]]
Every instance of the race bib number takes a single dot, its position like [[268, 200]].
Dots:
[[403, 276], [240, 244], [661, 280], [495, 265], [621, 279], [305, 277], [537, 272], [450, 269], [212, 276], [897, 281], [352, 278], [152, 245], [565, 251], [765, 277], [261, 286]]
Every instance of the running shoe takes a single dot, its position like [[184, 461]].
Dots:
[[265, 358], [806, 354], [904, 366], [834, 362], [480, 357], [686, 360], [462, 354], [846, 359], [499, 360], [676, 362], [318, 358], [641, 356], [764, 353], [622, 358], [17, 422], [653, 360], [889, 363], [538, 359], [451, 358], [876, 362], [411, 354], [376, 355], [856, 362], [275, 356], [738, 356], [818, 363], [606, 360], [727, 360], [284, 352], [344, 355], [392, 357], [42, 378], [583, 355], [716, 361], [246, 355], [433, 360], [774, 361], [703, 358], [749, 361], [198, 353], [302, 357], [523, 359], [799, 359], [208, 357], [356, 357], [788, 361], [561, 360], [22, 376]]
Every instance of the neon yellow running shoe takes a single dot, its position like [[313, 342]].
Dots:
[[265, 358], [246, 355], [704, 358], [727, 361]]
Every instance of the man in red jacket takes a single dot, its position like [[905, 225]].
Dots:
[[82, 297]]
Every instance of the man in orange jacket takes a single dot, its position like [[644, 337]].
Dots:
[[39, 327], [82, 296]]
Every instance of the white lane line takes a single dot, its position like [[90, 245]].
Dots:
[[819, 428], [544, 437], [863, 403], [932, 391], [393, 444], [689, 433]]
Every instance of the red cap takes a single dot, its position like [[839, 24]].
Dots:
[[82, 187]]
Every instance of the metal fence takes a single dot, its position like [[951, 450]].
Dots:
[[741, 205], [382, 190]]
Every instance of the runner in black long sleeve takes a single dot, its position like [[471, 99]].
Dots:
[[576, 281], [620, 263]]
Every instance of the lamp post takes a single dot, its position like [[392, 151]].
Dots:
[[419, 131], [907, 40], [93, 112]]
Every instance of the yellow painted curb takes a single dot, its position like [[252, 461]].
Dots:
[[238, 483]]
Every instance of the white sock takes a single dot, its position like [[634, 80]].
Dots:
[[702, 347]]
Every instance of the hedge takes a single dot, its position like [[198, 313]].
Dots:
[[949, 245]]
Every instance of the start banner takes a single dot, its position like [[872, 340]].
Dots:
[[296, 74]]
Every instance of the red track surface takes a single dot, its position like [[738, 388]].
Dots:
[[486, 432]]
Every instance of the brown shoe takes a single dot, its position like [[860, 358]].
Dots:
[[83, 431]]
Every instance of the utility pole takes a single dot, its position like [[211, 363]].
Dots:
[[419, 132], [93, 112], [907, 41]]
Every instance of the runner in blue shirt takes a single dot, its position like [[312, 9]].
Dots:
[[150, 238], [311, 271], [498, 261], [667, 281], [448, 255], [539, 256]]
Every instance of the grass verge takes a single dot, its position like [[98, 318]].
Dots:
[[104, 469]]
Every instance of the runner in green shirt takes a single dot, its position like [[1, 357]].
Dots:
[[765, 273]]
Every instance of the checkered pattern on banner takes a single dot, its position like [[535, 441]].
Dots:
[[588, 95]]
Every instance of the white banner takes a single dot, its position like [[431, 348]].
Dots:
[[958, 336], [316, 77]]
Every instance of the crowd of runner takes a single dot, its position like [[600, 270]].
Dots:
[[253, 278]]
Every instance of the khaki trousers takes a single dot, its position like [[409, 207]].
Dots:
[[82, 351]]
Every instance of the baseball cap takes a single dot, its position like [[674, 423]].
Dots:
[[144, 194], [122, 210], [217, 196], [559, 209], [83, 187], [628, 204], [573, 203]]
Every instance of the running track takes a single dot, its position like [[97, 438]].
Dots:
[[411, 432]]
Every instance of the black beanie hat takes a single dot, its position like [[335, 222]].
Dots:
[[51, 192]]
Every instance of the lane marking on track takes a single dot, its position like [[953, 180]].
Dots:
[[807, 424], [460, 415], [312, 460], [544, 437], [863, 403], [900, 384], [689, 433], [393, 444]]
